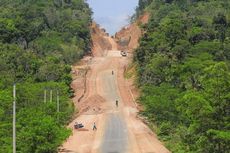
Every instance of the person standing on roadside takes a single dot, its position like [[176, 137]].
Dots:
[[94, 126], [117, 103]]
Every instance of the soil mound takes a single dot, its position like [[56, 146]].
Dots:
[[92, 105], [100, 41], [127, 38]]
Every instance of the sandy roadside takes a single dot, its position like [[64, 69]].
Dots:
[[95, 107]]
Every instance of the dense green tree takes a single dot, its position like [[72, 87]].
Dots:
[[220, 23], [183, 71], [38, 42]]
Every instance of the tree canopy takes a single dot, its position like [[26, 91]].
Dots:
[[184, 69], [39, 40]]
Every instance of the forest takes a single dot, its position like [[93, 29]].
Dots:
[[183, 65], [39, 40]]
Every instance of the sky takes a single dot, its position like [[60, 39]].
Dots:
[[112, 14]]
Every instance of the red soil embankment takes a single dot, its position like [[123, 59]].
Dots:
[[127, 38], [100, 42]]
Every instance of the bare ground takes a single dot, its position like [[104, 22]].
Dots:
[[119, 130]]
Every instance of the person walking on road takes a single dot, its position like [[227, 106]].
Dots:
[[94, 126], [117, 103], [112, 72]]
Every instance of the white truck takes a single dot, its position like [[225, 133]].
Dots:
[[123, 53]]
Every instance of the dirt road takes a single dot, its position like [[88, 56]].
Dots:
[[118, 128]]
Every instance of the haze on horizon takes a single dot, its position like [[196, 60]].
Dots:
[[112, 15]]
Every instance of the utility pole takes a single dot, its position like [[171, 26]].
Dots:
[[45, 96], [14, 119], [58, 104], [51, 95]]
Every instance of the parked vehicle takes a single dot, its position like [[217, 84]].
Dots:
[[123, 53], [78, 125]]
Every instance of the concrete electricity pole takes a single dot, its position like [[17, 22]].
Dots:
[[51, 95], [45, 96], [58, 104], [14, 119]]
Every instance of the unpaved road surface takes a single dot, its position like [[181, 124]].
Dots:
[[118, 128]]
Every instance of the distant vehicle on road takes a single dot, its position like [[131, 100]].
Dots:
[[123, 53], [78, 125]]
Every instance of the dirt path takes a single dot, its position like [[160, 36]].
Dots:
[[118, 129], [113, 43]]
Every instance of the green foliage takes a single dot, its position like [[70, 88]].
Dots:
[[39, 134], [39, 40], [183, 66], [142, 4]]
